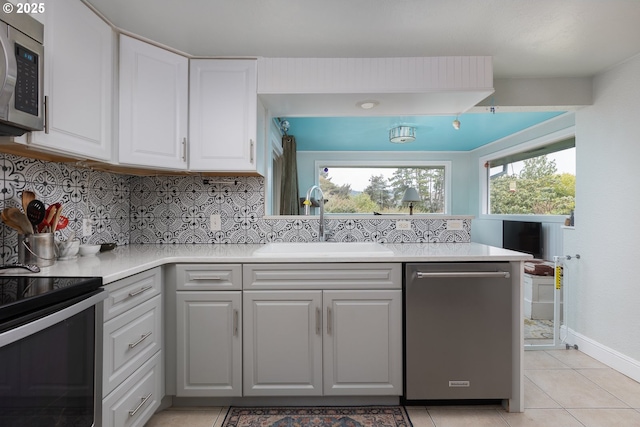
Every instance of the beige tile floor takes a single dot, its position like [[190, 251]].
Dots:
[[563, 388]]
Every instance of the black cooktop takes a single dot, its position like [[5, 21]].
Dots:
[[21, 296]]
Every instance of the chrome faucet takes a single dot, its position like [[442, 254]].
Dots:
[[307, 210]]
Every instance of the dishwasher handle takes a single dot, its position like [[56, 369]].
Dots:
[[462, 274]]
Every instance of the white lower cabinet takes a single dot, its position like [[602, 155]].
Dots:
[[209, 339], [134, 401], [322, 342], [209, 330], [283, 343], [133, 369], [362, 347]]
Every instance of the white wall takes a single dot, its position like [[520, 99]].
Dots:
[[604, 304]]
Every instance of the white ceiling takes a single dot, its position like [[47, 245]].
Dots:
[[526, 38]]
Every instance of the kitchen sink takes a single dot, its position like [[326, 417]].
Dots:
[[323, 249]]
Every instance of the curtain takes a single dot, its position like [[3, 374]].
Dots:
[[289, 199]]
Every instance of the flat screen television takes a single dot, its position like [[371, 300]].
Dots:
[[523, 236]]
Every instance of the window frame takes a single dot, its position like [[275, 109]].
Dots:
[[484, 172], [446, 164]]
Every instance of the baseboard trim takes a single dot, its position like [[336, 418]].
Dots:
[[612, 358]]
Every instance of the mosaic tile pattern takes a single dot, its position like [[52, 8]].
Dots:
[[100, 196], [177, 210]]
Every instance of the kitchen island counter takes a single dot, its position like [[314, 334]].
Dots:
[[127, 260]]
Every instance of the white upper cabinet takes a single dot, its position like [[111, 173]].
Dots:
[[78, 82], [154, 91], [223, 109]]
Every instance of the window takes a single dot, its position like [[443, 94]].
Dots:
[[367, 189], [535, 181]]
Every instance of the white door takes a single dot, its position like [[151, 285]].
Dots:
[[209, 340], [282, 343], [363, 342], [154, 91], [223, 114], [78, 82]]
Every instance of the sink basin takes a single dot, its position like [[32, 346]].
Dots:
[[323, 249]]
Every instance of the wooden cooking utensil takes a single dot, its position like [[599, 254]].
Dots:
[[56, 218], [35, 212], [8, 221], [19, 219], [48, 218], [27, 197]]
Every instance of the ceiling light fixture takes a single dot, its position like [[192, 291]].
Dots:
[[456, 124], [367, 105], [402, 134]]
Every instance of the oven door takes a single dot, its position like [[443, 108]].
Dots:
[[48, 372]]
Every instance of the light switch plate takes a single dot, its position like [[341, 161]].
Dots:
[[455, 224], [215, 223], [403, 225]]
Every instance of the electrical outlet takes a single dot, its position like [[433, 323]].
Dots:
[[215, 223], [87, 227], [403, 225], [455, 224]]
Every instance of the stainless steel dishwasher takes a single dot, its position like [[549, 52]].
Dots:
[[458, 342]]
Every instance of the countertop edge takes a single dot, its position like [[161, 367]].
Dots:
[[128, 260]]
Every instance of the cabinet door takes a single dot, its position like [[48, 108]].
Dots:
[[222, 115], [153, 106], [209, 339], [282, 343], [78, 82], [363, 342]]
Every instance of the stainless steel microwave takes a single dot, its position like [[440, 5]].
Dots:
[[21, 74]]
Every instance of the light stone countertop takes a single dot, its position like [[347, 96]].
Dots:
[[127, 260]]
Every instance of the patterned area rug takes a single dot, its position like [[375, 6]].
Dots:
[[333, 416]]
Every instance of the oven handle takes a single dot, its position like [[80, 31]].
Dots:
[[43, 323]]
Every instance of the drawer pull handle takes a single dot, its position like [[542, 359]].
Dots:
[[139, 291], [206, 278], [142, 338], [144, 400], [235, 323]]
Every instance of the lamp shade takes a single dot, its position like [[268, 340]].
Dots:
[[411, 195]]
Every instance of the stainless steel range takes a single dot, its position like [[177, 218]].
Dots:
[[50, 345]]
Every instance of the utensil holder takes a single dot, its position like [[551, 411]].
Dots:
[[37, 249]]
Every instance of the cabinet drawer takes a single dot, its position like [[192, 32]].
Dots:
[[135, 400], [130, 292], [322, 276], [129, 340], [212, 277]]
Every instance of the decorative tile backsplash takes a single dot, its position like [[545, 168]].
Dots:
[[177, 209]]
